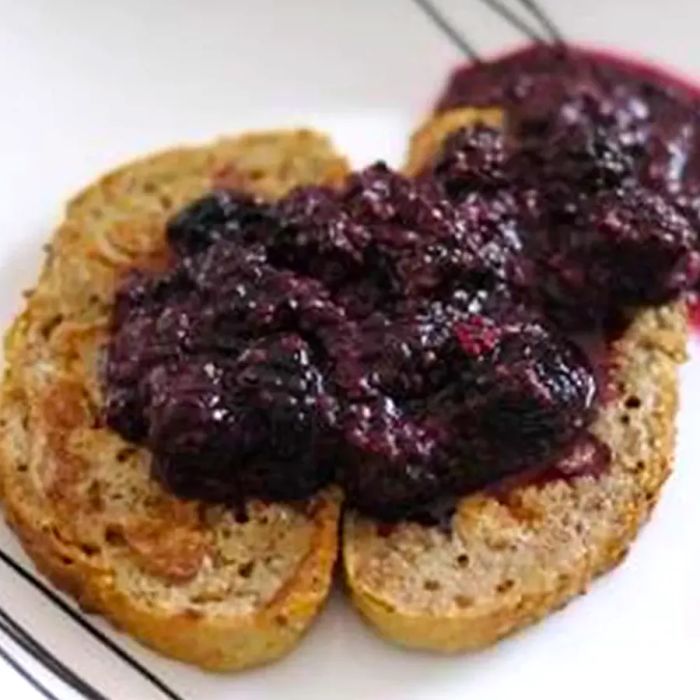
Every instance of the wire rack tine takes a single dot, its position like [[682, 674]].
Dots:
[[26, 641], [544, 20], [444, 25], [513, 19]]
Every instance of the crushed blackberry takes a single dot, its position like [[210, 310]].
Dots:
[[471, 159], [628, 247], [223, 215]]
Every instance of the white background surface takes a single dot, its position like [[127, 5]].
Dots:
[[85, 85]]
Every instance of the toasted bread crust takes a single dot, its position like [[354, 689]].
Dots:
[[511, 561], [193, 581]]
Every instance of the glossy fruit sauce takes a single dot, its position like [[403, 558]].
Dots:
[[617, 112], [417, 339]]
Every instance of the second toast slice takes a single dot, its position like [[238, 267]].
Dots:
[[509, 561]]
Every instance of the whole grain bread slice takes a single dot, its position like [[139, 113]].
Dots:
[[508, 562], [196, 582]]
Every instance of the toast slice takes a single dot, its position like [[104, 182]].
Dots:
[[194, 581], [507, 562]]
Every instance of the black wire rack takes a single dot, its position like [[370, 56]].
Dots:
[[525, 16]]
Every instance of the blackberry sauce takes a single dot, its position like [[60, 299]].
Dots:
[[416, 339]]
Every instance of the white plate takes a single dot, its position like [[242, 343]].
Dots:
[[86, 85]]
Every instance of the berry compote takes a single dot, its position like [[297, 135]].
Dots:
[[416, 339]]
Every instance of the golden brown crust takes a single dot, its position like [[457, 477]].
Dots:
[[511, 561], [193, 581]]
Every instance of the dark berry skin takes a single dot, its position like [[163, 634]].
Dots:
[[224, 214], [517, 393], [264, 409], [534, 387], [471, 159], [628, 247]]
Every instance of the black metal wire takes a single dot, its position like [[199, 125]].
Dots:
[[544, 31], [40, 653], [100, 636], [452, 34], [17, 666], [544, 19], [513, 19]]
